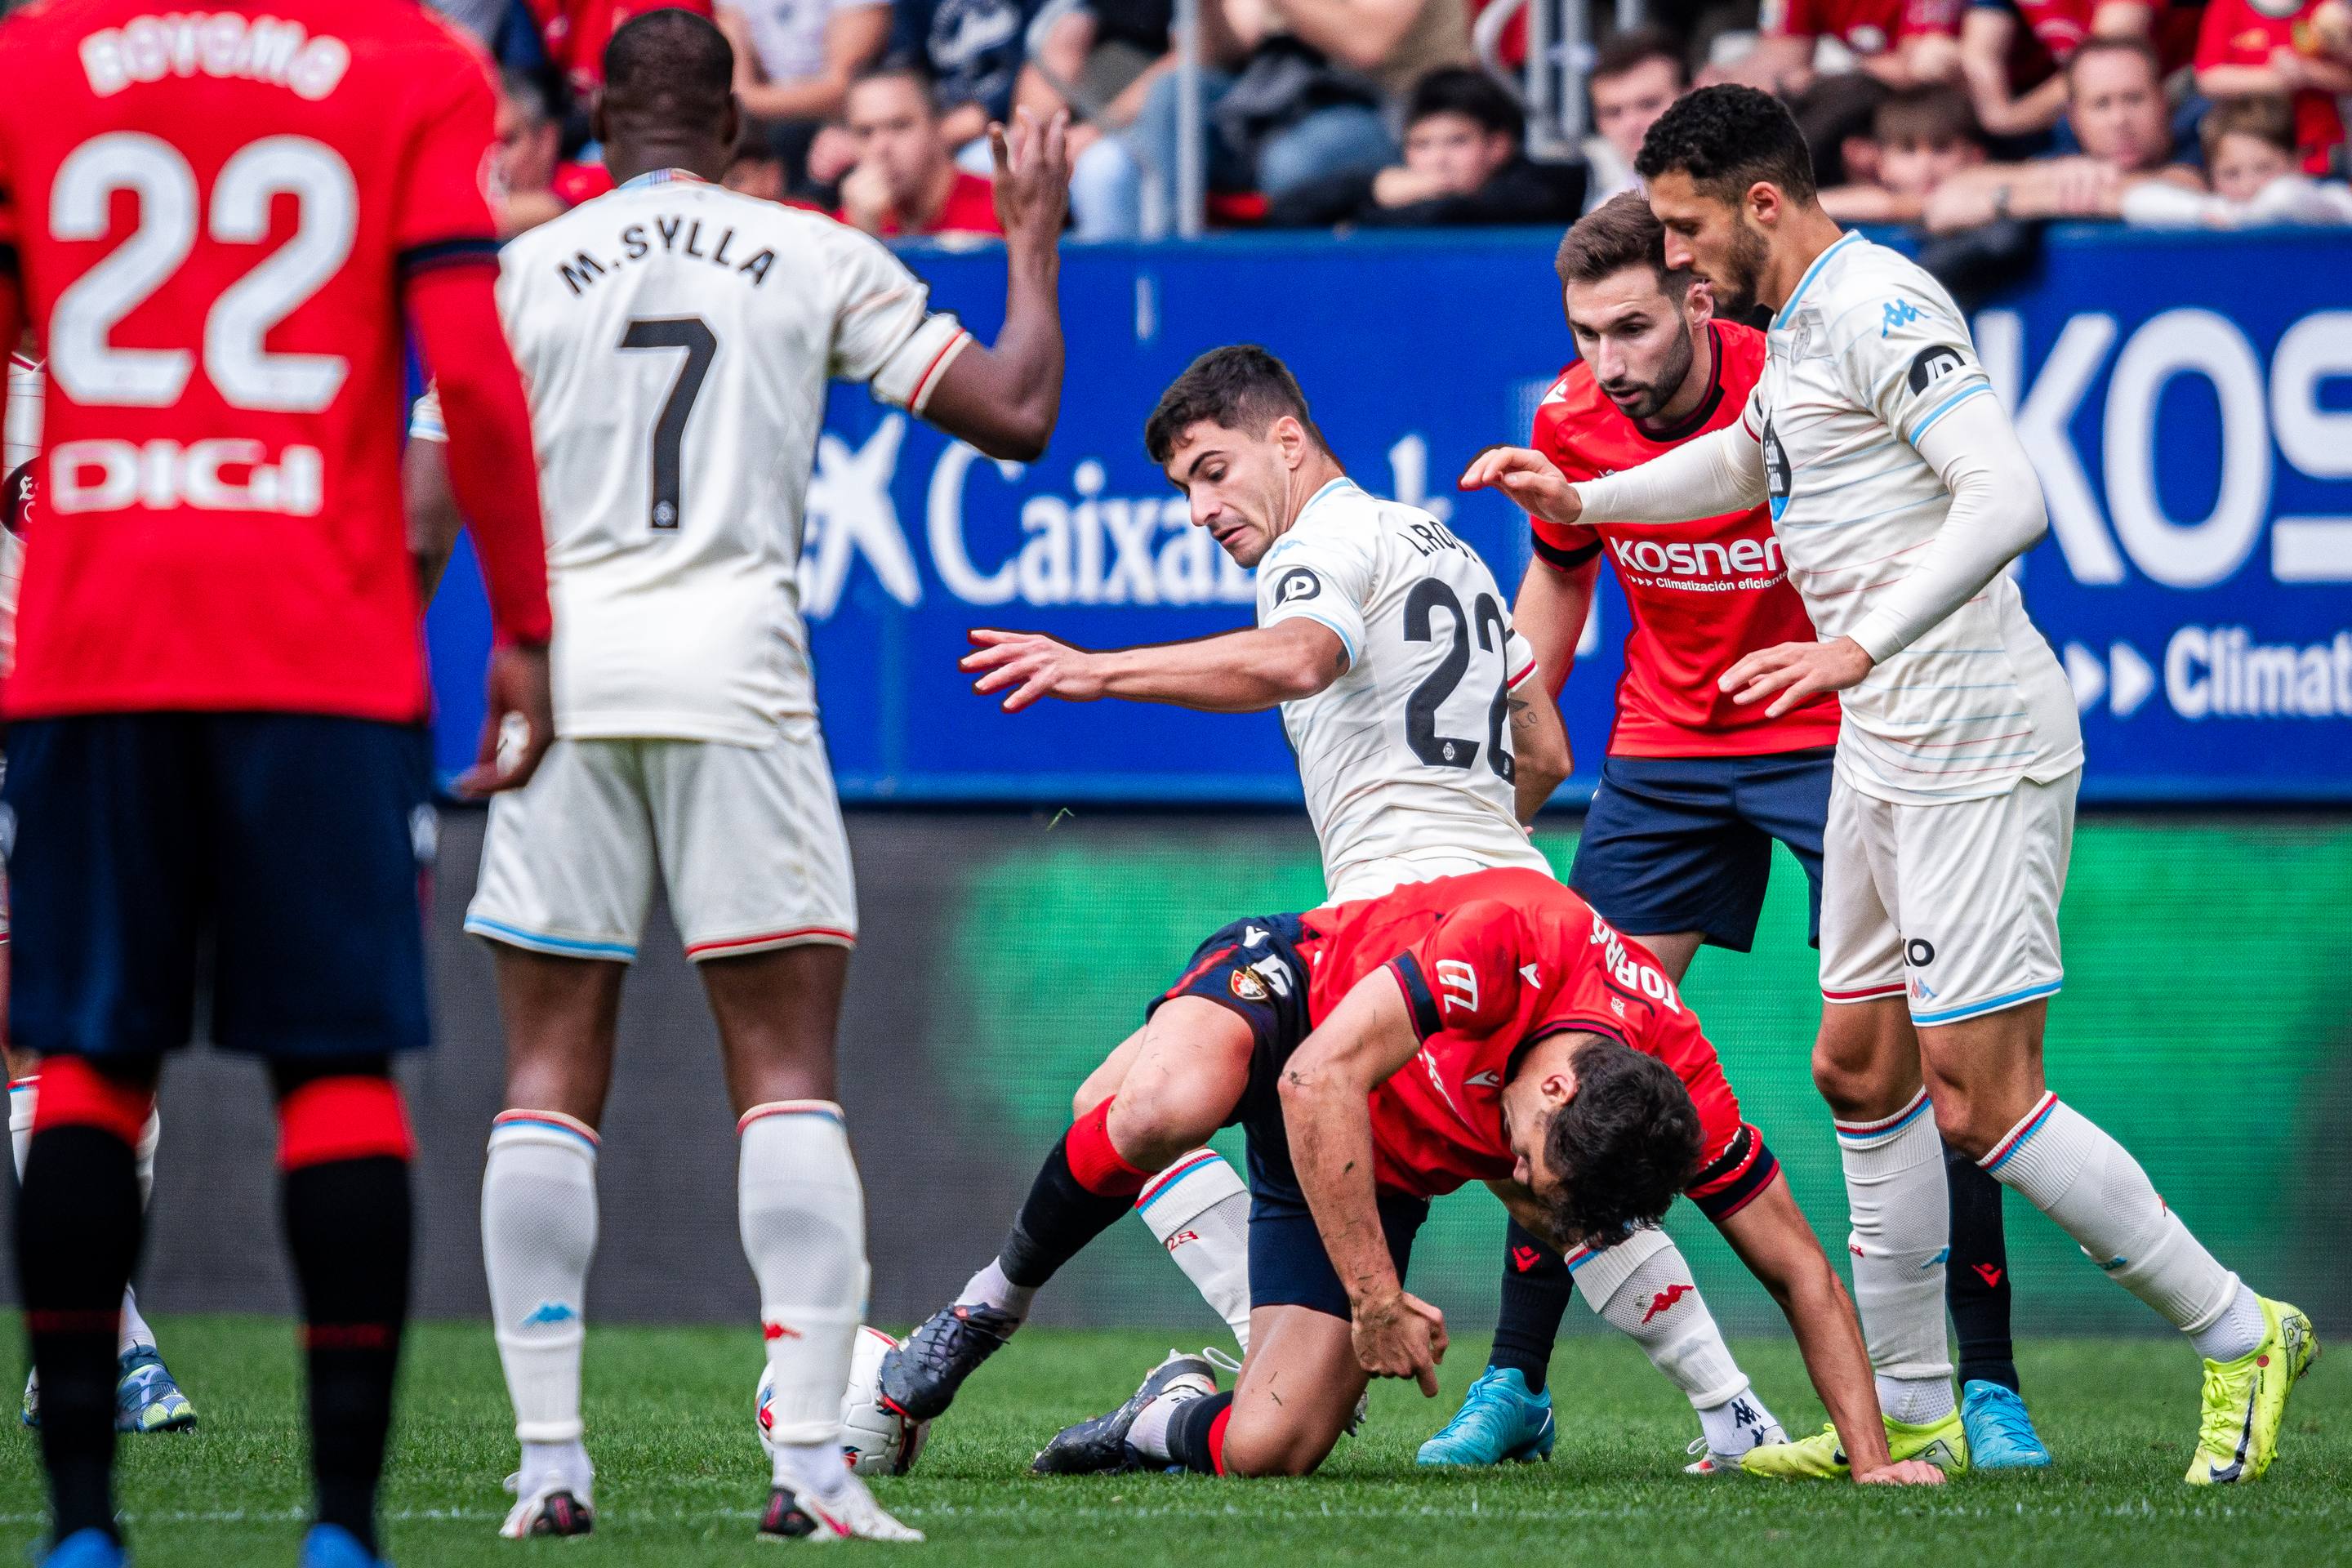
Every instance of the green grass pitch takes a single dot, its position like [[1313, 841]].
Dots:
[[681, 1476]]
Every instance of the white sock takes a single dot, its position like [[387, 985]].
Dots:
[[1901, 1211], [2237, 1332], [1149, 1436], [1643, 1287], [990, 1288], [135, 1332], [539, 1234], [22, 1094], [557, 1466], [2093, 1189], [1198, 1210], [803, 1212]]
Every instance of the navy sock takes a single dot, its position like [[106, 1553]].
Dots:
[[1976, 1276], [1056, 1221], [1187, 1431], [78, 1231], [1536, 1286]]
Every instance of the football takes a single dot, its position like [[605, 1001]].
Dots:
[[876, 1440]]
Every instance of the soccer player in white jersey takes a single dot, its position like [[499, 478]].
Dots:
[[1900, 496], [677, 339], [1425, 743], [146, 1399]]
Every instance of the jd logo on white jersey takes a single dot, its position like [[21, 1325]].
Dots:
[[1297, 584], [1932, 365], [1776, 472]]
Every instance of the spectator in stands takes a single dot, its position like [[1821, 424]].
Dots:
[[2115, 105], [2167, 26], [1304, 89], [1635, 76], [1926, 135], [794, 60], [2012, 56], [2301, 51], [575, 33], [1897, 41], [758, 167], [1464, 163], [528, 182], [1096, 60], [971, 50], [2250, 152], [905, 182], [1837, 115]]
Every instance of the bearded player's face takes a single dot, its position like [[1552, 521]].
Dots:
[[1714, 239], [1638, 337]]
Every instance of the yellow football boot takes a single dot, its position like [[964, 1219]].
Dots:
[[2245, 1399], [1822, 1456]]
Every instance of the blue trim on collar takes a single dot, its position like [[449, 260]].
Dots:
[[663, 177], [1780, 317]]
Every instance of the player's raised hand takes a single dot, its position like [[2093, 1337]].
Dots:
[[1527, 478], [1792, 672], [1032, 177], [517, 725], [1902, 1473], [1032, 665], [1399, 1336]]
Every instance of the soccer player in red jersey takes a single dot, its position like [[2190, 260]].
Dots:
[[1676, 848], [217, 222], [1488, 1027]]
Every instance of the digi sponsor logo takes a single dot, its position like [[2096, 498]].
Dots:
[[219, 475]]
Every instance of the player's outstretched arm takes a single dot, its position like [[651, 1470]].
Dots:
[[1772, 1237], [1006, 398], [1326, 1089], [1720, 471], [456, 315], [1237, 672]]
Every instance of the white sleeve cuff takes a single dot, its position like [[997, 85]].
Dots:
[[909, 377]]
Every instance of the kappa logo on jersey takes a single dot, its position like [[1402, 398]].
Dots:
[[1899, 314], [1932, 365], [1776, 472], [1298, 583], [1457, 983]]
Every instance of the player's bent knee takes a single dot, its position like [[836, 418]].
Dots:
[[1271, 1446], [1149, 1132]]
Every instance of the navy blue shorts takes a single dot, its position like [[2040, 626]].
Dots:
[[269, 861], [1253, 968], [1677, 844]]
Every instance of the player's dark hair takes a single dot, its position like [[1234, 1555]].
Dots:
[[1623, 1149], [1621, 232], [528, 94], [1238, 387], [2092, 48], [1930, 114], [670, 68], [1473, 95], [1636, 47], [1727, 138]]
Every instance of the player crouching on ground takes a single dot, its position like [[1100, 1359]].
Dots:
[[1383, 1053]]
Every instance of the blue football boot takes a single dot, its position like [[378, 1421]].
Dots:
[[1499, 1420], [146, 1399], [2001, 1434], [332, 1546], [87, 1549]]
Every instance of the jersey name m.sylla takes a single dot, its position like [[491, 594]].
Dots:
[[677, 339], [1407, 755], [1866, 356]]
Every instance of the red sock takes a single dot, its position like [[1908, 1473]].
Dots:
[[75, 1094], [1217, 1438], [1093, 1161]]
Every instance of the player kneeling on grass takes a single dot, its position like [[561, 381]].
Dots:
[[1481, 1027]]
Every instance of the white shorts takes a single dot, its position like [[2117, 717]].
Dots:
[[1954, 907], [748, 841]]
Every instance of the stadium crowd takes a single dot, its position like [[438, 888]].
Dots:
[[1964, 116]]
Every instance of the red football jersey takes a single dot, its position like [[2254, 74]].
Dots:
[[2244, 33], [971, 208], [1866, 27], [576, 31], [1703, 594], [212, 213], [1490, 964]]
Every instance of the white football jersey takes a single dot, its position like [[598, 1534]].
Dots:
[[1407, 756], [677, 339], [1868, 353]]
